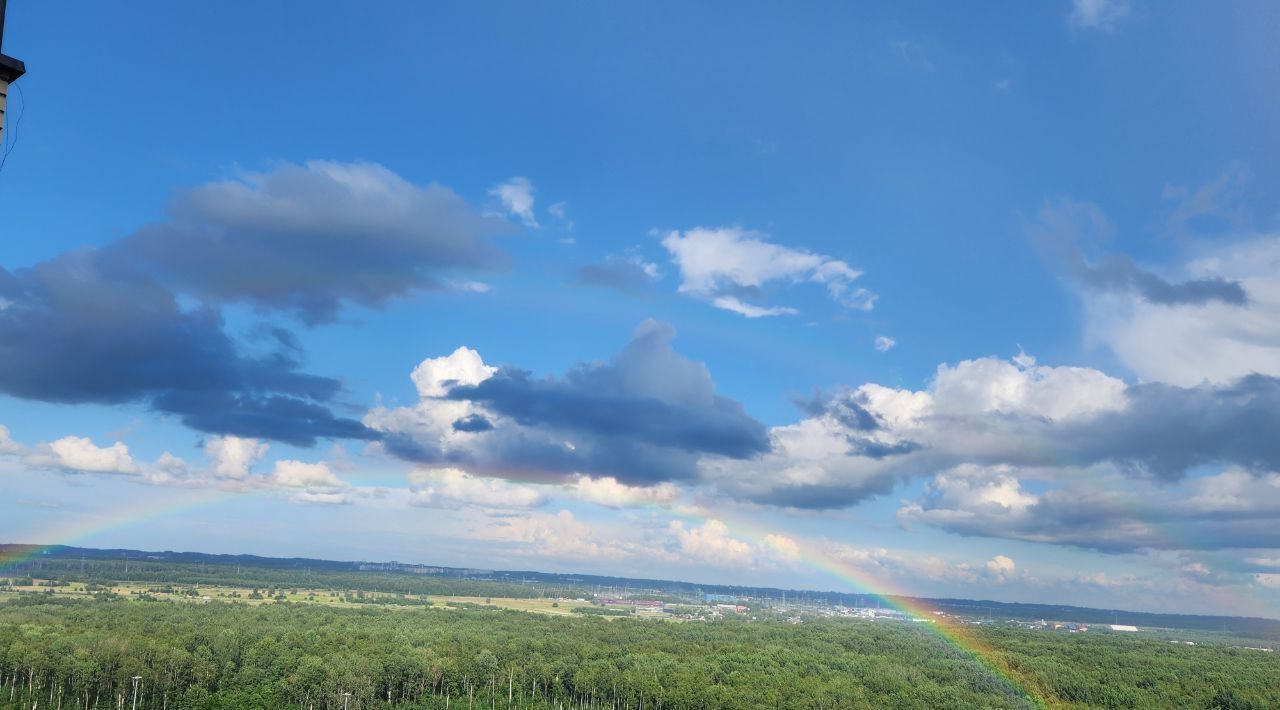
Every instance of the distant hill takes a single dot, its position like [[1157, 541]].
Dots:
[[29, 555]]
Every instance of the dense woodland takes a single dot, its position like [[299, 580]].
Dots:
[[57, 651]]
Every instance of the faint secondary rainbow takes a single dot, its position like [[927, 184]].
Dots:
[[84, 528]]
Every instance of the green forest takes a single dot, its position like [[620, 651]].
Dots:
[[60, 651]]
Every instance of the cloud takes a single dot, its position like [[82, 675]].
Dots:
[[322, 497], [1076, 416], [734, 305], [609, 492], [105, 325], [1097, 14], [435, 377], [289, 419], [630, 274], [298, 474], [1065, 225], [711, 543], [1001, 568], [308, 238], [230, 460], [783, 545], [993, 385], [560, 213], [860, 442], [1097, 509], [1216, 340], [82, 331], [810, 464], [729, 266], [232, 456], [882, 563], [1168, 430], [643, 418], [975, 490], [555, 535], [884, 343], [516, 197], [473, 424], [9, 447], [1215, 203], [455, 488], [74, 453]]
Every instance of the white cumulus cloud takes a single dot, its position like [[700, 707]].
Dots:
[[455, 488], [728, 265], [610, 492], [75, 453], [233, 456], [298, 474]]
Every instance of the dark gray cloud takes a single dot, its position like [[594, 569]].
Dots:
[[292, 420], [646, 416], [308, 238], [630, 275], [879, 450], [588, 401], [1099, 517], [1117, 272], [1167, 430], [473, 423], [826, 496], [138, 320], [844, 408], [860, 425], [82, 329], [1162, 431], [648, 394], [1064, 227]]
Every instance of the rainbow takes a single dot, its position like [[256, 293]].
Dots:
[[962, 637], [85, 529], [82, 531], [817, 556]]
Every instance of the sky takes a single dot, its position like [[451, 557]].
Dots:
[[976, 300]]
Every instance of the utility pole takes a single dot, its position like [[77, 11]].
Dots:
[[10, 69], [346, 697], [136, 678]]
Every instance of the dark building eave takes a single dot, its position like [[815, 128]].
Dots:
[[11, 69]]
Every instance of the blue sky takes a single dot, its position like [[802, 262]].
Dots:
[[979, 300]]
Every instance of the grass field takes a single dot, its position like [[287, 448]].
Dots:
[[302, 595]]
